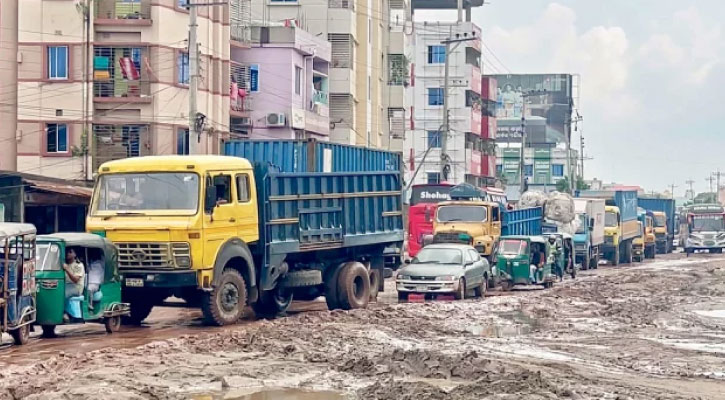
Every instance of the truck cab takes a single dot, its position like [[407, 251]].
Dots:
[[644, 245], [613, 236], [477, 223], [662, 236]]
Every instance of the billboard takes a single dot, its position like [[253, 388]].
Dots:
[[543, 100]]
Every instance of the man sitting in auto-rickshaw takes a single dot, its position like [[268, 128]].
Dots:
[[76, 272]]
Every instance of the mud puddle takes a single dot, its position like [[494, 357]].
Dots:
[[515, 323], [272, 394]]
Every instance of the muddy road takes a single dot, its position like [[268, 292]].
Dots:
[[647, 331]]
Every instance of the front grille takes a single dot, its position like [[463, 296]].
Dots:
[[144, 255], [609, 239], [660, 235], [451, 237], [581, 247], [423, 278]]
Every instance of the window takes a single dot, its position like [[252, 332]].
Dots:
[[57, 138], [434, 139], [434, 177], [182, 66], [528, 170], [223, 185], [474, 255], [131, 140], [58, 62], [182, 141], [557, 169], [298, 80], [254, 78], [435, 96], [436, 54], [242, 188], [182, 3]]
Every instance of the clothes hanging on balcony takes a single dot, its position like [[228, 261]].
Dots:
[[128, 68]]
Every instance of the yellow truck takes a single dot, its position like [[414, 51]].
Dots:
[[644, 245], [620, 222], [477, 223], [223, 233]]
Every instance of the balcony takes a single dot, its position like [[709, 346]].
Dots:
[[243, 80], [118, 76], [123, 12], [115, 142], [240, 12], [349, 4]]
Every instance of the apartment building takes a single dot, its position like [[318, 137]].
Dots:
[[283, 84], [362, 108], [107, 79], [466, 146]]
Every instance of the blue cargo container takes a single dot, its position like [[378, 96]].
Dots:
[[319, 221], [526, 221], [313, 156], [625, 200], [667, 206]]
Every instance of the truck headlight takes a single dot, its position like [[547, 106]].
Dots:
[[182, 254]]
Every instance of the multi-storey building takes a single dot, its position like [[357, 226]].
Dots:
[[465, 146], [282, 84], [362, 109], [108, 79]]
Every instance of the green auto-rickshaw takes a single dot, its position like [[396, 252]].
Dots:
[[101, 299], [515, 256], [17, 280]]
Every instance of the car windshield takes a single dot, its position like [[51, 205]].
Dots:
[[47, 258], [708, 223], [141, 192], [582, 224], [660, 221], [610, 219], [461, 213], [512, 247], [438, 256]]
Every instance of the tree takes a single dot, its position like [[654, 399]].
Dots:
[[562, 185]]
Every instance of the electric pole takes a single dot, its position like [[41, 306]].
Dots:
[[445, 167], [710, 179], [672, 190], [691, 192], [717, 188], [196, 120]]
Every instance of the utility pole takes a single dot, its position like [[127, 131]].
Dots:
[[710, 179], [717, 188], [445, 168], [689, 183], [581, 153], [522, 157], [9, 75], [672, 190], [196, 120]]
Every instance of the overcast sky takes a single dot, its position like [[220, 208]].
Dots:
[[652, 79]]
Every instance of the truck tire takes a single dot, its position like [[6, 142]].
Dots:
[[375, 279], [331, 276], [302, 278], [586, 262], [140, 310], [628, 253], [224, 305], [272, 302], [353, 286], [595, 262], [616, 256]]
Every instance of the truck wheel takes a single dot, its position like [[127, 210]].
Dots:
[[21, 335], [586, 262], [375, 278], [140, 309], [331, 276], [595, 262], [302, 278], [48, 331], [273, 302], [353, 286], [224, 305], [628, 253], [113, 324], [616, 257]]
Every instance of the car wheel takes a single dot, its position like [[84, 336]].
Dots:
[[481, 289], [461, 292]]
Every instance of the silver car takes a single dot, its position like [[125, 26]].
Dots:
[[446, 268]]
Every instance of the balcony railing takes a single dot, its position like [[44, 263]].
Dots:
[[114, 142], [349, 4], [319, 97], [241, 104], [117, 72], [123, 10], [241, 20]]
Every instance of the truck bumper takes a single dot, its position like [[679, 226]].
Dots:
[[158, 279]]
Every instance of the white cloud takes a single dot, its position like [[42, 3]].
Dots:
[[660, 49]]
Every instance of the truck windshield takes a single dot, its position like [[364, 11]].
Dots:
[[438, 256], [582, 228], [141, 193], [708, 223], [461, 213], [660, 221], [512, 247], [610, 219]]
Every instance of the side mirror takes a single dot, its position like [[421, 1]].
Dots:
[[427, 239], [591, 223], [406, 261], [209, 199]]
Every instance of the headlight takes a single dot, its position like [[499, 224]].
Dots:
[[446, 278], [403, 277], [182, 254]]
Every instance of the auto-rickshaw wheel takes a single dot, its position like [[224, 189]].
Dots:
[[21, 335], [113, 324], [48, 331], [506, 285]]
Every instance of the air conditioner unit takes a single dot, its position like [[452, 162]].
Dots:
[[276, 120]]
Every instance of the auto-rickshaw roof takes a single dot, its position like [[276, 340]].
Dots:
[[563, 235], [9, 229], [78, 239], [535, 239]]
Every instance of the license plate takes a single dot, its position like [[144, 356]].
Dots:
[[422, 287], [134, 282]]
